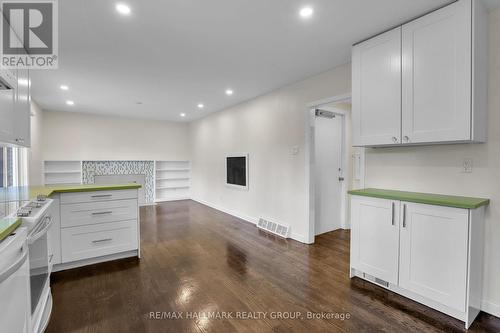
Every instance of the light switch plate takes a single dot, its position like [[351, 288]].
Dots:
[[467, 165]]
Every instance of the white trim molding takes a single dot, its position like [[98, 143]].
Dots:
[[297, 237], [490, 308]]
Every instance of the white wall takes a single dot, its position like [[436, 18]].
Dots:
[[79, 136], [438, 169], [35, 159], [267, 128]]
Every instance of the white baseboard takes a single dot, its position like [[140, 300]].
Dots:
[[299, 238], [251, 219], [491, 308]]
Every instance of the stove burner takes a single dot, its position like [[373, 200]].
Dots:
[[41, 197]]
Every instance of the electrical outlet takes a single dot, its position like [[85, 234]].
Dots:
[[467, 165]]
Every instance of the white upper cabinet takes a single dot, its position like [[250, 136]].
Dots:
[[22, 109], [7, 101], [376, 103], [437, 76], [442, 86], [434, 250]]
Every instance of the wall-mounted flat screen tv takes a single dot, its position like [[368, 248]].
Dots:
[[237, 170]]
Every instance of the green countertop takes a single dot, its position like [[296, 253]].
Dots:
[[24, 193], [8, 225], [424, 198]]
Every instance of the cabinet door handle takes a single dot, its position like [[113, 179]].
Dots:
[[101, 196], [406, 138], [102, 213], [394, 139], [102, 240], [393, 206], [404, 216]]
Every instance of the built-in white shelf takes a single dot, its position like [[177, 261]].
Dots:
[[62, 172], [172, 180]]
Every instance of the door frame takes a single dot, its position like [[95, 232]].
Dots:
[[310, 165]]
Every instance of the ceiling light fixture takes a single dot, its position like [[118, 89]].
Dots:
[[182, 115], [306, 12], [123, 9], [70, 102], [229, 92], [201, 106], [64, 87]]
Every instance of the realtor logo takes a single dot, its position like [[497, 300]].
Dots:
[[29, 34]]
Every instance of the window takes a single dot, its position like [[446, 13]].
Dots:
[[13, 167], [13, 172]]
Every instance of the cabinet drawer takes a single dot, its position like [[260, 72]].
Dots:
[[88, 213], [95, 196], [92, 241]]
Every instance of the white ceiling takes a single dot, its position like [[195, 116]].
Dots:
[[172, 54]]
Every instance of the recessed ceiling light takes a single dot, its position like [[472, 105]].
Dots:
[[229, 92], [201, 106], [70, 102], [123, 9], [182, 114], [306, 12], [64, 87]]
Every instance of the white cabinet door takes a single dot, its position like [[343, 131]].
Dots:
[[7, 116], [22, 109], [375, 237], [376, 90], [433, 260], [436, 86]]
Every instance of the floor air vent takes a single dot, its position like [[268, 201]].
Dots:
[[273, 227]]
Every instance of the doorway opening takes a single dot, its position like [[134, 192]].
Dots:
[[332, 165]]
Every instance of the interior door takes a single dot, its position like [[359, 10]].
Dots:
[[375, 237], [328, 134], [376, 90], [433, 262], [436, 75]]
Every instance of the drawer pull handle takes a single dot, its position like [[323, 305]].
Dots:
[[101, 196], [393, 206], [102, 240], [404, 216], [102, 213]]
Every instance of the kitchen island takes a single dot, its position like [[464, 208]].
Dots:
[[90, 223]]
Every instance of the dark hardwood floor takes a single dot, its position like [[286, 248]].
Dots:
[[199, 260]]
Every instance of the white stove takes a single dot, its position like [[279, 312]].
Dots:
[[36, 217], [32, 211]]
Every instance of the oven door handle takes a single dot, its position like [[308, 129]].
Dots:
[[41, 230], [15, 266]]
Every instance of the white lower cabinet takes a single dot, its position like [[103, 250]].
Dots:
[[431, 254], [92, 241], [95, 226], [375, 232]]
